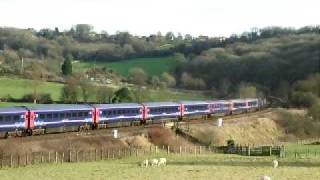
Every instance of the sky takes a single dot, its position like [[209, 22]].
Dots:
[[144, 17]]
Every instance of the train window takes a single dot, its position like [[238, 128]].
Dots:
[[55, 116], [16, 118], [80, 114], [1, 118], [109, 113], [85, 114], [62, 115], [7, 118], [49, 116], [68, 115], [74, 114], [41, 116]]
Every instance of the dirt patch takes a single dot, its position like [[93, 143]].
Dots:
[[253, 130], [164, 137]]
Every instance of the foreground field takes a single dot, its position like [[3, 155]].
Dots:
[[179, 167], [152, 66]]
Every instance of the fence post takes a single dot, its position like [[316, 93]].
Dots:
[[11, 160], [56, 157], [26, 159], [18, 160], [95, 154], [195, 150], [180, 150], [156, 149], [199, 149], [270, 150], [49, 156], [168, 149], [62, 159], [249, 153], [77, 156]]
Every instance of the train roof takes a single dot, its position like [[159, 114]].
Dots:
[[119, 105], [194, 102], [59, 107], [154, 104], [221, 101], [12, 109]]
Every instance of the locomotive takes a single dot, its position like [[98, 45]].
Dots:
[[54, 118]]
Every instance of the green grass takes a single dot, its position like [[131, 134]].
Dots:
[[152, 66], [19, 87], [172, 95], [215, 166]]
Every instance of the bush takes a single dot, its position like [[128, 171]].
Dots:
[[43, 98], [303, 99]]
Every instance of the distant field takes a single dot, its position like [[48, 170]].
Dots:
[[214, 166], [152, 66], [16, 88]]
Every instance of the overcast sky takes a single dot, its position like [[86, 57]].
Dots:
[[143, 17]]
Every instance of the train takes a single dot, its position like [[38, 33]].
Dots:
[[55, 118]]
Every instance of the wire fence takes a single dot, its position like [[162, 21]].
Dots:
[[20, 160]]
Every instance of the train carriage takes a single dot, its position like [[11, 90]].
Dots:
[[13, 121], [155, 111], [221, 107], [194, 108], [118, 114], [60, 118]]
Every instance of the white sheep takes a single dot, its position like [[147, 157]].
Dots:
[[265, 178], [275, 163], [154, 162], [162, 161], [145, 163]]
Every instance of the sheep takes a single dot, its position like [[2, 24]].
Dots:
[[265, 178], [162, 161], [275, 163], [154, 162], [145, 163]]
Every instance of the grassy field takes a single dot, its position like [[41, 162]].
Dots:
[[16, 88], [213, 166], [152, 66]]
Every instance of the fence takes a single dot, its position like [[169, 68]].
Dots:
[[19, 160]]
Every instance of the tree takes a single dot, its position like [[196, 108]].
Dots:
[[86, 90], [155, 82], [67, 66], [82, 31], [138, 76], [247, 91], [122, 95], [168, 79], [104, 94], [69, 93], [169, 36]]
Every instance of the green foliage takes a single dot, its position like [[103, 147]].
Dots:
[[104, 94], [42, 98], [69, 93], [314, 111], [266, 63], [67, 67], [122, 95], [137, 76], [303, 99]]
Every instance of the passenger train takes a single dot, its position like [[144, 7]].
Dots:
[[42, 119]]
